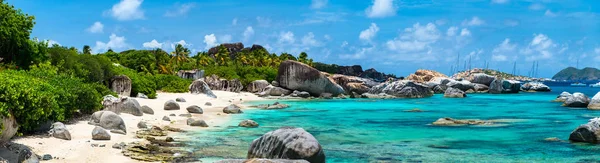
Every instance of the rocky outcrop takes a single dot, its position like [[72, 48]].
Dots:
[[108, 120], [375, 75], [122, 105], [194, 109], [299, 76], [481, 78], [100, 134], [232, 109], [59, 130], [402, 89], [423, 76], [257, 86], [300, 94], [287, 143], [595, 102], [9, 128], [232, 49], [589, 132], [248, 124], [481, 88], [275, 91], [562, 97], [216, 83], [200, 87], [171, 105], [191, 74], [454, 93], [121, 84], [463, 85], [354, 84], [535, 87], [499, 86], [577, 100], [457, 122], [355, 70]]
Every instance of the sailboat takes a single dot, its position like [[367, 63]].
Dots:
[[578, 84]]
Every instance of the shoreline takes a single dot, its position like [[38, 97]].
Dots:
[[79, 148]]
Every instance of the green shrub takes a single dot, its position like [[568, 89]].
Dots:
[[140, 83], [171, 83], [245, 74]]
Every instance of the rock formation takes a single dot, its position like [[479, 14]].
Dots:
[[504, 86], [589, 132], [481, 78], [248, 123], [191, 74], [275, 91], [171, 105], [200, 87], [595, 102], [454, 93], [232, 109], [353, 84], [216, 83], [423, 76], [299, 76], [577, 100], [257, 86], [287, 143], [121, 84], [108, 120], [100, 134], [402, 89], [535, 87], [122, 105]]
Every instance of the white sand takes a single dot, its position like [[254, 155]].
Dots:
[[79, 148]]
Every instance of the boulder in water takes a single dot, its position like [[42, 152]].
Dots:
[[535, 87], [287, 143], [295, 75], [595, 102], [454, 93], [248, 123], [589, 132], [402, 89], [577, 100], [562, 97], [504, 86]]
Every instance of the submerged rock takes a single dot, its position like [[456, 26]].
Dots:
[[454, 93], [595, 102], [589, 132], [413, 110], [577, 100], [552, 139], [108, 120], [457, 122], [535, 87], [261, 160], [248, 123], [287, 143]]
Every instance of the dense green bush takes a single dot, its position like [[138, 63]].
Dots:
[[246, 74], [140, 82], [171, 83]]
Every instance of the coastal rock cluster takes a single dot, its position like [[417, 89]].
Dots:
[[216, 83], [299, 76], [589, 132], [287, 143]]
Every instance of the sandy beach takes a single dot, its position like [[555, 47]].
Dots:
[[80, 149]]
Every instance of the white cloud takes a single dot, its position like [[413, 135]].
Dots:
[[465, 32], [536, 6], [504, 47], [263, 22], [500, 1], [234, 21], [180, 9], [52, 42], [344, 44], [309, 40], [368, 34], [358, 54], [541, 47], [415, 39], [115, 42], [499, 57], [381, 8], [225, 39], [318, 4], [127, 10], [210, 41], [549, 13], [475, 21], [286, 37], [327, 37], [152, 44], [451, 31], [97, 27], [249, 32]]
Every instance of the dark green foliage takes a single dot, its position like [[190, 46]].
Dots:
[[245, 74], [140, 82], [171, 83], [15, 44], [91, 68], [329, 68], [139, 60]]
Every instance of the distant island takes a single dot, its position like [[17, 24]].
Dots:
[[572, 73]]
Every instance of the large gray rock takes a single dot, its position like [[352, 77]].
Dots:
[[402, 89], [216, 83], [481, 88], [595, 102], [454, 93], [275, 91], [589, 132], [121, 84], [577, 100], [17, 153], [232, 109], [100, 134], [261, 160], [481, 78], [147, 110], [257, 86], [171, 105], [200, 87], [287, 143], [108, 120], [499, 86], [9, 128], [562, 97], [122, 105], [194, 109], [59, 130], [294, 75], [462, 85], [535, 87]]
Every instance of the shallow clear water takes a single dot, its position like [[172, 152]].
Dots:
[[366, 130]]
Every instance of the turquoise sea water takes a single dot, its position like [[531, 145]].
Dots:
[[366, 130]]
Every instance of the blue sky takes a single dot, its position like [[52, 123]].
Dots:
[[394, 36]]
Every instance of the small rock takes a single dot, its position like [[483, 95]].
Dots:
[[59, 130], [165, 118], [232, 109], [119, 145], [199, 123], [118, 132], [147, 110], [194, 109], [208, 104], [180, 99], [414, 110], [102, 145], [141, 95], [171, 105], [552, 139], [172, 115], [169, 139], [100, 133], [455, 122], [142, 125], [248, 124], [185, 115], [47, 157]]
